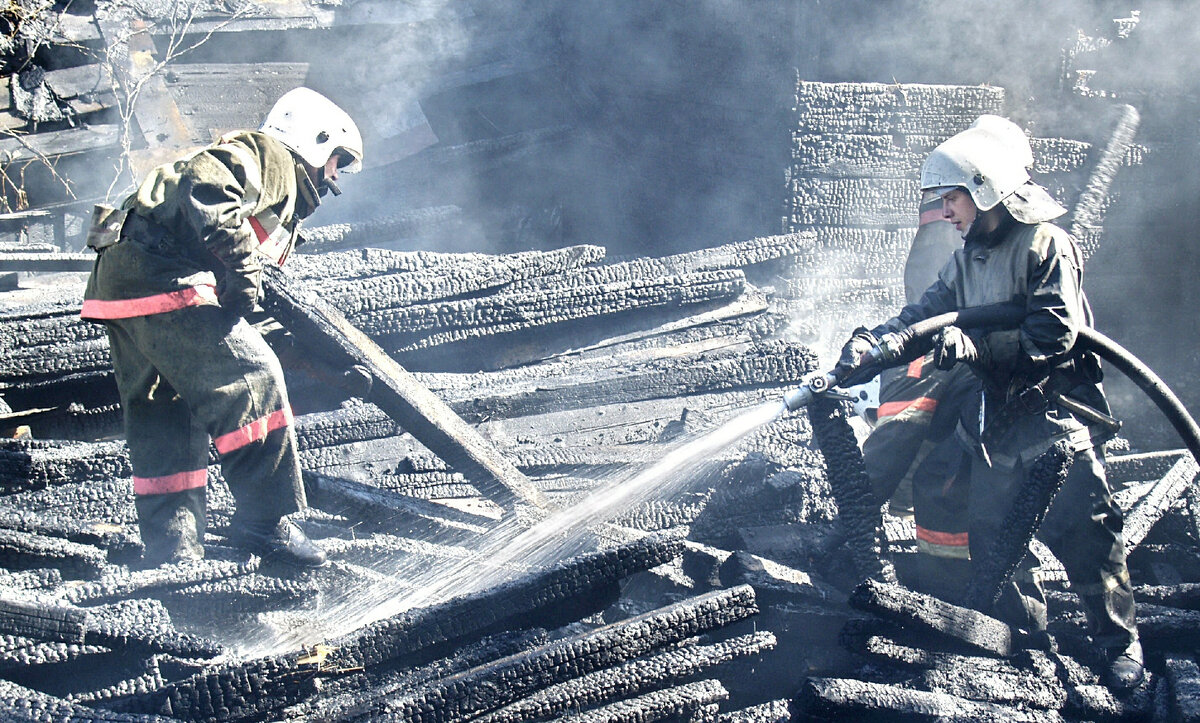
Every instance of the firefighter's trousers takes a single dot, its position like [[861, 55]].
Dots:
[[187, 378], [913, 444], [1083, 527]]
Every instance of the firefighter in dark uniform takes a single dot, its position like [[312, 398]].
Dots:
[[172, 282], [911, 447], [1012, 252]]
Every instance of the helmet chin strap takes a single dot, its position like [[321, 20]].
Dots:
[[328, 184]]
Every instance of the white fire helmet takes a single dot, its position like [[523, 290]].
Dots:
[[1009, 134], [314, 127], [979, 161]]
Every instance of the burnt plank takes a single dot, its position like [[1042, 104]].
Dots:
[[918, 611], [397, 392]]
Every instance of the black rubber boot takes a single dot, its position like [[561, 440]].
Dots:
[[1126, 667], [281, 541], [174, 539]]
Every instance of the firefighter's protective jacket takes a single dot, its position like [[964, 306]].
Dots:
[[1040, 266], [224, 210]]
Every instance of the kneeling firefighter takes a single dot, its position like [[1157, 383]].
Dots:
[[178, 267], [1032, 378]]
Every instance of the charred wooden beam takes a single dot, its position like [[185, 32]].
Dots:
[[1183, 678], [42, 621], [346, 692], [47, 262], [118, 541], [18, 703], [512, 678], [697, 701], [858, 510], [768, 364], [917, 611], [728, 257], [1184, 595], [473, 275], [396, 391], [19, 652], [360, 501], [1021, 522], [631, 678], [1028, 679], [505, 606], [154, 582], [381, 231], [30, 551], [849, 699], [1168, 628], [418, 328], [143, 625]]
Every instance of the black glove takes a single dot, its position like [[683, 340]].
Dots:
[[861, 342], [953, 345], [239, 292]]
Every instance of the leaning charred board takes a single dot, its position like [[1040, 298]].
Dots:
[[697, 701], [858, 510], [18, 703], [917, 611], [1021, 522], [476, 275], [627, 679], [396, 392], [1158, 500], [507, 680], [520, 602], [848, 699]]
